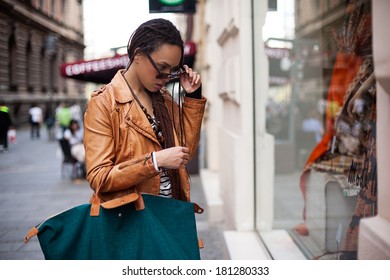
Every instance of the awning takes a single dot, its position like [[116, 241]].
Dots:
[[99, 71], [102, 70]]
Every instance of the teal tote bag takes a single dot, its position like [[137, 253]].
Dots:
[[142, 227]]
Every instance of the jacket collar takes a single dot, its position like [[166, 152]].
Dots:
[[122, 93], [137, 119]]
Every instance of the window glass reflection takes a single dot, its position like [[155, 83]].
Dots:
[[321, 111]]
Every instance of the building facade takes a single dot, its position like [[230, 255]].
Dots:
[[280, 195], [36, 38]]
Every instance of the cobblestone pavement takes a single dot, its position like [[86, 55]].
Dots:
[[32, 189]]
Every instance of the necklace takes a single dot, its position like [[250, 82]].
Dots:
[[152, 120]]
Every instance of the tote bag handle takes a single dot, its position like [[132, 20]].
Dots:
[[116, 202]]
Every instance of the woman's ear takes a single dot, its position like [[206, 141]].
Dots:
[[137, 55]]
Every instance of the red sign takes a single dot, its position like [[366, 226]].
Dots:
[[96, 70]]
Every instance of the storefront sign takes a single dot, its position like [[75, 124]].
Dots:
[[96, 70]]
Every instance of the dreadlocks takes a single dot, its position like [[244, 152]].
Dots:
[[151, 35]]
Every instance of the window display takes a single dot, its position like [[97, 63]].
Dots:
[[338, 176]]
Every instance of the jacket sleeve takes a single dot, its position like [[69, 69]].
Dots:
[[103, 172], [193, 111]]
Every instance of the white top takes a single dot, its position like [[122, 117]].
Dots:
[[36, 114], [75, 112], [77, 138]]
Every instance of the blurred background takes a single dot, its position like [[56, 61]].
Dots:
[[288, 150]]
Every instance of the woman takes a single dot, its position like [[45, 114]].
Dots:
[[137, 138], [36, 118], [75, 135]]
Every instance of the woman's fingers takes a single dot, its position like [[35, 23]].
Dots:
[[173, 158], [194, 77]]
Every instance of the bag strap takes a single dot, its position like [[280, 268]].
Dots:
[[31, 233], [198, 209], [116, 202]]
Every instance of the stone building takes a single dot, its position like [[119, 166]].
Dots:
[[36, 37]]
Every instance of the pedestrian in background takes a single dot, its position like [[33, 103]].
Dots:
[[76, 113], [50, 121], [75, 135], [36, 119], [63, 118], [5, 125]]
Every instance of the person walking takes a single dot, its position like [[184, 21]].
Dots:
[[50, 121], [136, 137], [36, 119], [76, 113], [5, 125], [63, 118]]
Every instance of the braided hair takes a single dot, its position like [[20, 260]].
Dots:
[[149, 37]]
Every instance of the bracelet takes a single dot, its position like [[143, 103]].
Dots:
[[155, 164]]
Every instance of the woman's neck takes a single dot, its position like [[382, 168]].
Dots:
[[133, 81], [139, 91]]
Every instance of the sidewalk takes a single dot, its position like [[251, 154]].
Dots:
[[31, 189]]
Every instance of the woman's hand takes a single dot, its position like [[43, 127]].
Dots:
[[173, 158], [190, 80]]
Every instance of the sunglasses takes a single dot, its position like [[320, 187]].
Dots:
[[161, 75]]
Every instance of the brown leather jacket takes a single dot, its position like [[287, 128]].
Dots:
[[119, 140]]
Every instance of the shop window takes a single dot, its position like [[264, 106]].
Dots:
[[322, 113]]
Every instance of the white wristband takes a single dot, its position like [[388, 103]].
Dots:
[[155, 164]]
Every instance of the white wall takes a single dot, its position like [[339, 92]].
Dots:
[[229, 125], [212, 64]]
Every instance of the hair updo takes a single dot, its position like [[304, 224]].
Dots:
[[151, 35]]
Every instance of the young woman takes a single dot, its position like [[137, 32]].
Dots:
[[137, 138], [75, 135]]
